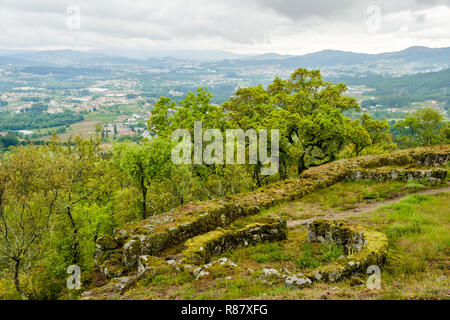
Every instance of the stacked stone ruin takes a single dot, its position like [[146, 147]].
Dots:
[[202, 230]]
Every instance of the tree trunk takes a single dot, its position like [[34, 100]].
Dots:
[[358, 150], [144, 202], [16, 277], [76, 246], [182, 197], [283, 170], [301, 165], [256, 176], [143, 190]]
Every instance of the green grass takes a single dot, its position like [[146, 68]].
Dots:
[[294, 253], [330, 252], [269, 252], [243, 288], [419, 241], [306, 258], [309, 259], [344, 193], [166, 277], [412, 185], [339, 197]]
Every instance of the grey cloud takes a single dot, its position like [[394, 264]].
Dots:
[[420, 18], [154, 20], [354, 10], [300, 9], [234, 23]]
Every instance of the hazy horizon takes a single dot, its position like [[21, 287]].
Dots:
[[161, 52]]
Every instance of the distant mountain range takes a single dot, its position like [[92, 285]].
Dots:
[[327, 58]]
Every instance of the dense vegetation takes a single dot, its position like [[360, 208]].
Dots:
[[426, 85], [7, 141], [57, 199], [401, 91], [36, 117]]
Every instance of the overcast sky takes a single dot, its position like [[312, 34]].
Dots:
[[241, 26]]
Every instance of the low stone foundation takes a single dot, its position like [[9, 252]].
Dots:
[[365, 248], [200, 249], [338, 233]]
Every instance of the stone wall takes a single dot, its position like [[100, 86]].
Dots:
[[200, 249], [432, 175], [364, 248], [338, 233]]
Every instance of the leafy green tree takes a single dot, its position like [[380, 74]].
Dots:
[[84, 183], [424, 127], [168, 116], [307, 111], [144, 163], [28, 199], [371, 134], [55, 201]]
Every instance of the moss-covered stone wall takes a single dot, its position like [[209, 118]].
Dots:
[[364, 248], [338, 233], [383, 174], [200, 249]]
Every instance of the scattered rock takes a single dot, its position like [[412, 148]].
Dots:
[[270, 272], [297, 282]]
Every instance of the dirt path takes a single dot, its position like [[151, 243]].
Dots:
[[365, 207]]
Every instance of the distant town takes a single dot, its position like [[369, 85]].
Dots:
[[56, 95]]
